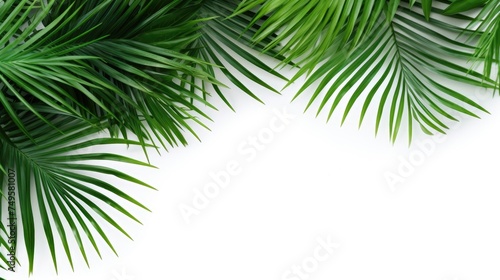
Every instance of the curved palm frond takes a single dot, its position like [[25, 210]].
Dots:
[[78, 74], [487, 23], [16, 55], [224, 43], [460, 6], [140, 67], [308, 30], [413, 59], [50, 176], [119, 65], [70, 69]]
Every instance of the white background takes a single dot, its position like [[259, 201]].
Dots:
[[313, 180]]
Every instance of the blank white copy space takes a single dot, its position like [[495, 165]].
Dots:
[[306, 184]]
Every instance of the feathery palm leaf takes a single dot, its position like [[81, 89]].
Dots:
[[59, 85], [139, 65], [49, 177], [123, 62], [69, 69], [225, 44], [411, 79], [307, 30], [487, 30]]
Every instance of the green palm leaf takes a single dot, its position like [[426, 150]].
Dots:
[[140, 69], [413, 59], [226, 43], [49, 174], [120, 64], [487, 30], [94, 65], [308, 30], [145, 68]]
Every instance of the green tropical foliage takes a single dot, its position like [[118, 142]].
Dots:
[[80, 74], [399, 45]]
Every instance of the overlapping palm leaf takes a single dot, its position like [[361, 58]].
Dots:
[[48, 176], [413, 59], [225, 42], [308, 30], [139, 65], [144, 69], [67, 74], [487, 26], [397, 61]]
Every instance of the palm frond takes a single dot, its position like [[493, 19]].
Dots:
[[140, 67], [80, 73], [144, 69], [460, 6], [115, 67], [308, 30], [50, 176], [225, 43], [487, 24], [414, 60]]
